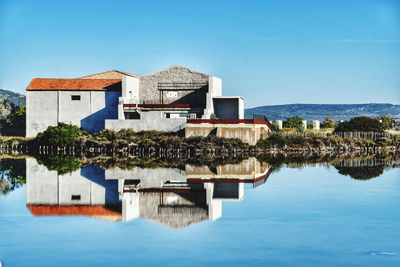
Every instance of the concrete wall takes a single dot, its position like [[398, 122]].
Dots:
[[41, 111], [148, 84], [47, 108], [214, 90], [152, 120], [248, 133], [241, 108], [226, 108], [73, 111], [130, 88], [104, 105]]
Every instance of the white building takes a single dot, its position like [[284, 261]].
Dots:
[[162, 100]]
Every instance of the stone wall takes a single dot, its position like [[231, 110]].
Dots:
[[150, 94]]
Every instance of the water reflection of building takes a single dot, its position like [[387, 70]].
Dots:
[[83, 192], [172, 197]]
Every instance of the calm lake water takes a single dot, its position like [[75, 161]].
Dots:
[[238, 214]]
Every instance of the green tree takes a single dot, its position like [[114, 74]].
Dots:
[[63, 134], [293, 122], [387, 121], [14, 123], [213, 116], [360, 124], [328, 123]]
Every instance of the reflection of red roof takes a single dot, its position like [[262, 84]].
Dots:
[[74, 84], [100, 212]]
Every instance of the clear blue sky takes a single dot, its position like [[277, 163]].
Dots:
[[270, 52]]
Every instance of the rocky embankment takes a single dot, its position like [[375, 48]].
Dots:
[[163, 145]]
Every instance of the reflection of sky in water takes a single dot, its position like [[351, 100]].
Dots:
[[303, 216]]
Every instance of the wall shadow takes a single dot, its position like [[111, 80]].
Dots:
[[96, 122]]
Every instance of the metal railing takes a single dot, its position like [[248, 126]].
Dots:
[[180, 86]]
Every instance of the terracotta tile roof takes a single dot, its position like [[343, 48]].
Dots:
[[111, 74], [99, 212], [75, 84]]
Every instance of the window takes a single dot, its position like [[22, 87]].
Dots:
[[75, 97], [76, 197]]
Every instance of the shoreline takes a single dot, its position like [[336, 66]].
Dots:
[[161, 144]]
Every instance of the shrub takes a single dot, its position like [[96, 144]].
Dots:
[[387, 121], [63, 134], [275, 127], [328, 123], [14, 123], [294, 122], [213, 116], [360, 124], [273, 140]]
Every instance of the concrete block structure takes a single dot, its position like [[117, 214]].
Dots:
[[279, 123], [163, 101], [316, 124], [304, 124], [249, 131]]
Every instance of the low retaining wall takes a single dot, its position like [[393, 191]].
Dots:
[[248, 133], [145, 124]]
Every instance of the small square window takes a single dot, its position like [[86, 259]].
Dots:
[[75, 97], [76, 197]]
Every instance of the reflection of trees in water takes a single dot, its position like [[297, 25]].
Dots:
[[362, 166], [12, 175], [61, 163], [361, 173], [365, 168]]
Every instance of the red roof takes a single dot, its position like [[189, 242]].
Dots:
[[98, 211], [75, 84]]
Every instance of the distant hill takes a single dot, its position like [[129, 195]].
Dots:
[[14, 98], [7, 100], [320, 111]]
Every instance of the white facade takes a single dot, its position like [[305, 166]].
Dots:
[[162, 101], [48, 108]]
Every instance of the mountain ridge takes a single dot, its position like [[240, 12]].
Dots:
[[13, 97], [320, 111]]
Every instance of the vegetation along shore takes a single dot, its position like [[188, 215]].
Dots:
[[69, 139]]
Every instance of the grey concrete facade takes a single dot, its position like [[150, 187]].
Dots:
[[152, 120], [48, 108], [177, 92], [150, 94]]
